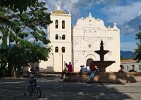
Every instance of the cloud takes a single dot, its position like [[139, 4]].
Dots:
[[132, 26], [127, 16], [74, 6], [66, 5], [139, 14], [122, 13]]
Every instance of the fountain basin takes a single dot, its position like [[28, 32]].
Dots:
[[103, 64], [101, 52]]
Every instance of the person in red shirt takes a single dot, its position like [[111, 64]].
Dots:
[[92, 72], [70, 68]]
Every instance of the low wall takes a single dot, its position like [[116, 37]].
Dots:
[[107, 77]]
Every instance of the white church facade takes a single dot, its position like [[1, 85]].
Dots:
[[76, 44]]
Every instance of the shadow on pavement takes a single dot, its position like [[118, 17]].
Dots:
[[81, 91], [54, 89]]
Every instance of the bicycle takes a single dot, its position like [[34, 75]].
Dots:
[[33, 88]]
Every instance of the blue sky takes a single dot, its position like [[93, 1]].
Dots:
[[126, 13]]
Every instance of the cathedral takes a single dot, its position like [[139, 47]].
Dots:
[[76, 44]]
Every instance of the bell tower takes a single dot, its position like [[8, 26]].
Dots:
[[59, 33]]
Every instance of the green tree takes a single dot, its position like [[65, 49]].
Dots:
[[21, 27], [137, 51], [15, 5], [30, 23], [27, 52]]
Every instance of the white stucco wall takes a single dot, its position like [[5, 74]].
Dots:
[[87, 35]]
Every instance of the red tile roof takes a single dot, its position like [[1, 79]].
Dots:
[[128, 60]]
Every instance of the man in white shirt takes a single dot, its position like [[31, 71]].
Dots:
[[87, 69]]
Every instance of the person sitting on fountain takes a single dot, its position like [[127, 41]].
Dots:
[[82, 69], [121, 68], [92, 72], [87, 69]]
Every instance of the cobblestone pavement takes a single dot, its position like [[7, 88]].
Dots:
[[55, 89]]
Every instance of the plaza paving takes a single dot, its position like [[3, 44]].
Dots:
[[55, 89]]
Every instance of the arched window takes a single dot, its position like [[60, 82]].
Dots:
[[90, 22], [63, 49], [63, 37], [56, 23], [63, 24], [56, 36], [56, 49]]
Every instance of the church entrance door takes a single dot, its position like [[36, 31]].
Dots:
[[88, 61]]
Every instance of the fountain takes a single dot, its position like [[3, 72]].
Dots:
[[102, 64]]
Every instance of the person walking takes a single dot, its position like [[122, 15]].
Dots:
[[92, 72]]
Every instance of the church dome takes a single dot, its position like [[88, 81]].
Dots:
[[59, 11]]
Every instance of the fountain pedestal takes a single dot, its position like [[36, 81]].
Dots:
[[102, 64]]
